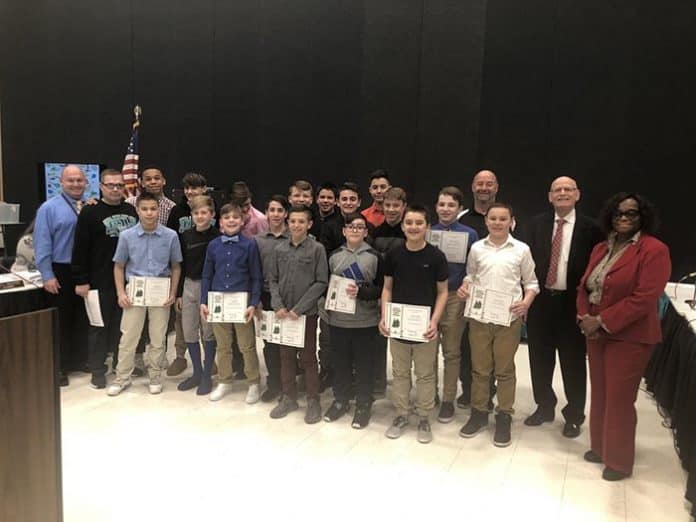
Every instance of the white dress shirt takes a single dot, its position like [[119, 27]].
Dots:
[[568, 227], [506, 268]]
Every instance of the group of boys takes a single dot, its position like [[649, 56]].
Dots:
[[282, 259]]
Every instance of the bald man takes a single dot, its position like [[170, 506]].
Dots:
[[561, 240], [484, 188], [54, 234]]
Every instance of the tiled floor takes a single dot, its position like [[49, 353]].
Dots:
[[179, 457]]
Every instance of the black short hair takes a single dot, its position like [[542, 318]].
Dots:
[[649, 222], [193, 179], [152, 166], [240, 192], [328, 185], [379, 173], [302, 208], [349, 218], [280, 199], [349, 185], [420, 209], [145, 196]]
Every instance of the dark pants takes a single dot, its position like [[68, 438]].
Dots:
[[465, 368], [325, 349], [381, 363], [308, 358], [353, 348], [72, 320], [551, 326], [616, 369], [271, 352], [101, 341]]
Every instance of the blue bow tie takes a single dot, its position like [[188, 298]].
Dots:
[[230, 239]]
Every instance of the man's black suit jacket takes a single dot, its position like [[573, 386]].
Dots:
[[537, 233]]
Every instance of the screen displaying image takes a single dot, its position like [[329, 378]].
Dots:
[[51, 178]]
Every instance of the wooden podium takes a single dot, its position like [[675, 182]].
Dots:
[[30, 445]]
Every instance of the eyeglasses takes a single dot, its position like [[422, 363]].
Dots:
[[628, 214], [114, 186], [356, 228]]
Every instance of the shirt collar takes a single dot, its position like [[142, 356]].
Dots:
[[141, 231], [570, 218], [633, 239], [508, 242]]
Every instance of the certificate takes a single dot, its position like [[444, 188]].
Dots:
[[337, 298], [288, 332], [488, 306], [408, 322], [452, 244], [227, 307], [93, 308], [148, 291]]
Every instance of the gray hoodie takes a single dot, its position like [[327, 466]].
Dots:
[[365, 266]]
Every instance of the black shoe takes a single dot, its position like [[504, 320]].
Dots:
[[138, 372], [591, 456], [464, 402], [613, 475], [477, 422], [269, 395], [336, 411], [285, 406], [98, 382], [63, 379], [205, 387], [539, 417], [502, 436], [239, 375], [446, 412], [313, 414], [362, 417], [571, 430], [189, 384]]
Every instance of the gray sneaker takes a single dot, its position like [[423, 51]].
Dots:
[[425, 435], [397, 428]]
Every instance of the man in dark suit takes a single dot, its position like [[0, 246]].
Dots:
[[561, 242]]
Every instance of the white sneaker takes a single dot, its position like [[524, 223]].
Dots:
[[253, 395], [220, 391], [117, 387], [155, 386]]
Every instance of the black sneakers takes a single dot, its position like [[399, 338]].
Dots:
[[446, 412], [362, 417], [269, 395], [313, 413], [502, 436], [477, 422], [98, 382], [336, 411], [463, 401]]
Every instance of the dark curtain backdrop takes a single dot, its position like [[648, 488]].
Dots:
[[268, 91]]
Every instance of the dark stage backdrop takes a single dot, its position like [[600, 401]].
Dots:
[[433, 90]]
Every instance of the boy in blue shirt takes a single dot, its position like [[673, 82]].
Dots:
[[148, 249], [448, 206], [232, 264]]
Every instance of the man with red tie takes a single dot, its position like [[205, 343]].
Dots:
[[561, 242]]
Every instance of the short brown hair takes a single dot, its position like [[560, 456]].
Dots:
[[109, 172], [201, 201], [301, 184], [454, 192], [395, 193], [231, 208]]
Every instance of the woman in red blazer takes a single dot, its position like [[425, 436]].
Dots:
[[618, 314]]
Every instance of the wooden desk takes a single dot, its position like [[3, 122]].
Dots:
[[30, 444]]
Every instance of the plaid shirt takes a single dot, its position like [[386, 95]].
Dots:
[[165, 207]]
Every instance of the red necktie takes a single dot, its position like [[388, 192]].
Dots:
[[555, 253]]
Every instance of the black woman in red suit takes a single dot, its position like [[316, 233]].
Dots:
[[618, 314]]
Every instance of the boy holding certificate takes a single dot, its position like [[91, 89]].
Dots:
[[232, 265], [415, 273], [148, 249], [298, 277], [194, 243], [354, 328], [448, 206], [501, 264]]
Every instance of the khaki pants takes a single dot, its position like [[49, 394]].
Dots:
[[451, 330], [493, 349], [422, 357], [132, 322], [225, 333]]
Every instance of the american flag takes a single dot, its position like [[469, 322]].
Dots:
[[130, 162]]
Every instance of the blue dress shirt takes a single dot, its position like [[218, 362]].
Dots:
[[457, 271], [148, 254], [54, 233]]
